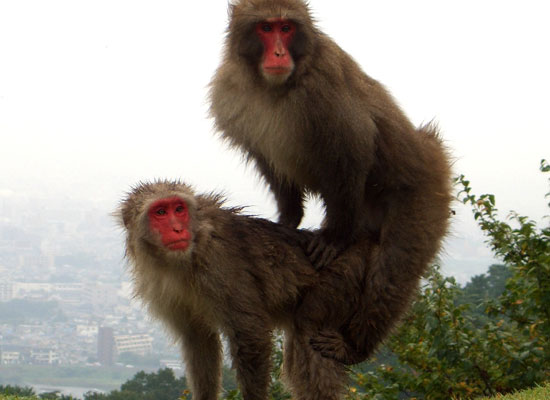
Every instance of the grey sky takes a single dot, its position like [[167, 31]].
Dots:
[[95, 96]]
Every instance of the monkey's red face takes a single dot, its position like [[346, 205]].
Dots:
[[276, 36], [169, 218]]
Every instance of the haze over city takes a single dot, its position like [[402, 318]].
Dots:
[[97, 96]]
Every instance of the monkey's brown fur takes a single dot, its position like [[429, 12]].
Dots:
[[380, 278], [241, 276], [329, 129], [332, 130]]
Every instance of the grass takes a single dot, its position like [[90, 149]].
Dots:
[[4, 397], [538, 393]]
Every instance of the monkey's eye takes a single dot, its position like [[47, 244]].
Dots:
[[286, 28], [180, 209], [161, 211], [267, 28]]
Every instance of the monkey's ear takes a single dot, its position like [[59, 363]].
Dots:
[[126, 220], [122, 216], [232, 4], [231, 7]]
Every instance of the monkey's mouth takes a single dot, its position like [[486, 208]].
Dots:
[[181, 244], [277, 70]]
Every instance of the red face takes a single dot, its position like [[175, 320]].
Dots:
[[169, 218], [276, 36]]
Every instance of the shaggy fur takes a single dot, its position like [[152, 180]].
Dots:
[[241, 276], [244, 276], [332, 130]]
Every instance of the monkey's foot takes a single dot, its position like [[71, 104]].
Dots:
[[321, 252], [331, 344]]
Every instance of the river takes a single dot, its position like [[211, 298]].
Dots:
[[77, 392]]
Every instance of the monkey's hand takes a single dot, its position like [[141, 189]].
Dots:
[[321, 252], [331, 344]]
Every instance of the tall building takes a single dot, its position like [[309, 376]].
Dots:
[[105, 345]]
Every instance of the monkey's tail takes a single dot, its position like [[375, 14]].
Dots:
[[416, 222]]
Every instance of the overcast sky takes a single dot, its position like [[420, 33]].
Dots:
[[97, 95]]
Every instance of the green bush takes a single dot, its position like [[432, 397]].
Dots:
[[445, 349], [16, 390]]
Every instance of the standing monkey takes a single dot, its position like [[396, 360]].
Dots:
[[314, 122], [205, 270]]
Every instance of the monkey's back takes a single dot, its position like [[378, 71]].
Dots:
[[236, 265], [258, 261]]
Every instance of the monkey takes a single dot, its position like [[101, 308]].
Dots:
[[205, 270], [304, 112], [309, 118]]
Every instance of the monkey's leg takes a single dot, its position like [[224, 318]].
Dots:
[[289, 197], [331, 305], [290, 204], [342, 222], [308, 375], [251, 353], [202, 352], [415, 220]]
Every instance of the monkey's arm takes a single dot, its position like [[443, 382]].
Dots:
[[289, 197], [202, 352], [249, 337]]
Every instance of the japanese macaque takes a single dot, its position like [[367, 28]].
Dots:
[[313, 122], [205, 270]]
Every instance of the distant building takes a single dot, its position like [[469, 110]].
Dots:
[[90, 330], [6, 291], [102, 296], [137, 344], [44, 356], [175, 365], [10, 357], [14, 354], [69, 293], [33, 290], [105, 345]]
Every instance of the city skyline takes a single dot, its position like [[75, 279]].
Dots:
[[95, 98]]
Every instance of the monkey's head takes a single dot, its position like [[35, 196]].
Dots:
[[158, 218], [273, 37]]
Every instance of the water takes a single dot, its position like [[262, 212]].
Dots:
[[77, 392]]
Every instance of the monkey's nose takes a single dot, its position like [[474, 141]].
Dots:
[[177, 227], [279, 49]]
